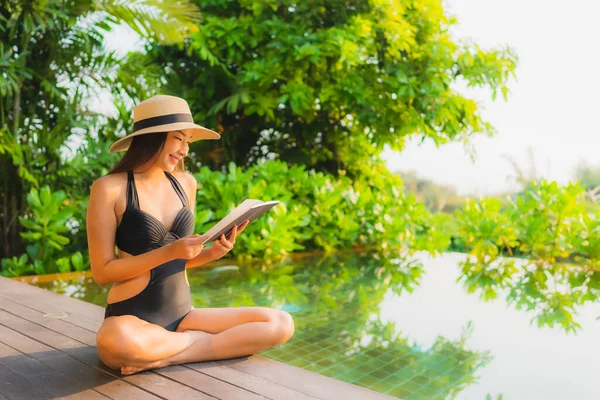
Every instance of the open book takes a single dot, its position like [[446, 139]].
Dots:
[[249, 209]]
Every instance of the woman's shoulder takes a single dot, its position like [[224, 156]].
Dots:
[[109, 185], [186, 178], [189, 183]]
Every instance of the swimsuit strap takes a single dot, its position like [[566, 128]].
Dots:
[[178, 189], [132, 195]]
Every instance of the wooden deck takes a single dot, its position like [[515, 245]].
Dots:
[[47, 351]]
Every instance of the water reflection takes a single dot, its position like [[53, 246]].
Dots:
[[394, 324], [79, 285], [552, 293], [336, 303]]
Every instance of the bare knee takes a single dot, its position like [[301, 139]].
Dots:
[[117, 342], [281, 327]]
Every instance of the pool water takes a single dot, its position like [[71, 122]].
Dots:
[[403, 326]]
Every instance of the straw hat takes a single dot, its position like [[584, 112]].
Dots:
[[163, 113]]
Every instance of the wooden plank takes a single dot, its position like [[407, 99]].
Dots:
[[89, 354], [86, 354], [42, 376], [23, 344], [54, 359], [61, 386], [255, 384], [302, 380], [264, 377], [14, 386], [86, 315], [82, 373], [207, 384], [21, 363], [17, 290], [56, 324], [252, 384], [104, 383], [83, 396], [39, 333], [168, 388], [156, 383]]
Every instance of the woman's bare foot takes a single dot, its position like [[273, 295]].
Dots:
[[129, 370], [152, 365]]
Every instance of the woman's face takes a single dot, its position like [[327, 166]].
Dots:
[[176, 147]]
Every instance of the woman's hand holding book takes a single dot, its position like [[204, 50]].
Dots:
[[224, 244], [187, 247]]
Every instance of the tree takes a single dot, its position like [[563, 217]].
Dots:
[[328, 83], [524, 178], [436, 197], [589, 176], [52, 58]]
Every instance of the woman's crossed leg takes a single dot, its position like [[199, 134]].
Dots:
[[205, 334]]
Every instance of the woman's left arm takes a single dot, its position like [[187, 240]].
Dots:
[[221, 246], [205, 255]]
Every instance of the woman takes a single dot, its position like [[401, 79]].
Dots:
[[149, 320]]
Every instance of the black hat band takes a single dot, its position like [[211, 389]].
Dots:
[[162, 120]]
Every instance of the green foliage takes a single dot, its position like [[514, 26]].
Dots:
[[587, 244], [51, 88], [274, 234], [487, 232], [485, 229], [547, 219], [48, 221], [12, 267], [52, 61], [327, 84], [47, 226], [160, 21], [554, 227], [317, 210]]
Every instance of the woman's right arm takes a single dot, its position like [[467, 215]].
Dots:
[[101, 229]]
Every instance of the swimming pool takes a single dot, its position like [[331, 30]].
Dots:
[[404, 327]]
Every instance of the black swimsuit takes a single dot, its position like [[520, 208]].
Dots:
[[166, 300]]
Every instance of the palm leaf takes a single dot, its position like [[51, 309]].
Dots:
[[232, 102], [165, 22]]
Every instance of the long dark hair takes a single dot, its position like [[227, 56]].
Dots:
[[141, 150]]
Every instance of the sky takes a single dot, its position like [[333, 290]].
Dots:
[[551, 108]]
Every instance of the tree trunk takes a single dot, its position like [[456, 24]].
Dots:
[[4, 195], [12, 206], [331, 165]]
